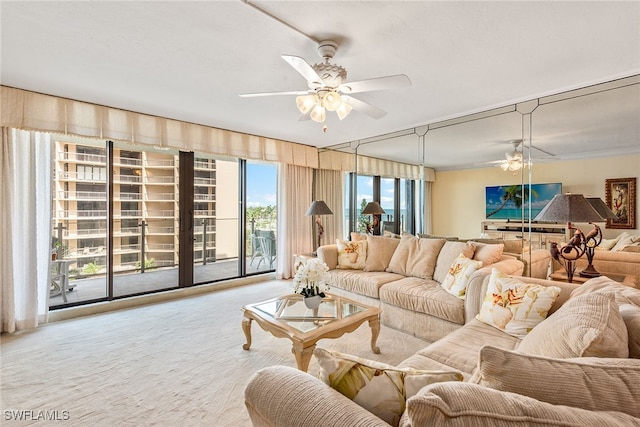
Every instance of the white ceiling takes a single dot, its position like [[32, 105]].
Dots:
[[190, 61]]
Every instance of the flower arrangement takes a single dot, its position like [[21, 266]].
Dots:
[[309, 280]]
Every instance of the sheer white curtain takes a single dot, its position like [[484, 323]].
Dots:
[[25, 228], [294, 228], [329, 185]]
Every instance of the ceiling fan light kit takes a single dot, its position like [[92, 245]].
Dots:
[[327, 87]]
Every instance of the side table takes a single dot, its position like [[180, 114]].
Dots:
[[561, 276]]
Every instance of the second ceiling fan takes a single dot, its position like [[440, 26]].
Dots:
[[328, 89]]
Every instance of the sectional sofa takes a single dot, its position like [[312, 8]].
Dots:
[[404, 276], [577, 364]]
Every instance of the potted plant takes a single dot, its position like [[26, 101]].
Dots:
[[309, 281]]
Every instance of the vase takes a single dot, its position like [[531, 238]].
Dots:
[[313, 302]]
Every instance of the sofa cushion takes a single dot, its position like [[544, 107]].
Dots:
[[352, 255], [597, 384], [625, 239], [448, 253], [380, 388], [459, 274], [456, 404], [379, 252], [415, 257], [514, 306], [423, 296], [586, 325], [488, 253], [460, 348], [360, 282], [628, 301]]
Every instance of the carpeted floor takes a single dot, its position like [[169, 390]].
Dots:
[[177, 363]]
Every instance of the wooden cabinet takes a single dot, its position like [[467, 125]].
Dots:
[[541, 234]]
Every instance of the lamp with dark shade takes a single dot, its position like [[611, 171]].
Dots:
[[592, 240], [571, 208], [317, 208], [374, 209]]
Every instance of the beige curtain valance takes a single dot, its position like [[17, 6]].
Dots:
[[338, 160], [28, 110]]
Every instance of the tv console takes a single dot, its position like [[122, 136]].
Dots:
[[541, 233]]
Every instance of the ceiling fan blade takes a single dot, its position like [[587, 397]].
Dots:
[[363, 107], [303, 68], [291, 92], [378, 83]]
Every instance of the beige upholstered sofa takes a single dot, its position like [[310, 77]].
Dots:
[[403, 277], [580, 366]]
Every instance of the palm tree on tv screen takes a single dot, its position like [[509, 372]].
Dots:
[[513, 193]]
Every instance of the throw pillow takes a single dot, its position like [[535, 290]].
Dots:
[[628, 301], [597, 384], [380, 388], [379, 252], [352, 255], [488, 253], [358, 236], [459, 274], [625, 239], [416, 257], [586, 325], [464, 404], [448, 253], [607, 244], [513, 306]]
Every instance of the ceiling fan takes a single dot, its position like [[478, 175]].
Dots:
[[514, 161], [328, 89]]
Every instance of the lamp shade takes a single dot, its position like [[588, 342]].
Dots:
[[373, 208], [319, 207], [569, 208], [601, 207]]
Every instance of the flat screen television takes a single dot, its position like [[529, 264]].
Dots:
[[505, 201]]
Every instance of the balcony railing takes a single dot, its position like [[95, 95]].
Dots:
[[203, 165], [160, 213], [74, 176], [129, 196], [128, 213], [200, 212], [160, 196], [127, 249], [85, 234], [210, 229], [154, 247], [127, 178], [127, 231], [159, 180], [82, 157], [161, 230], [127, 161], [83, 195], [159, 163], [82, 213], [204, 181], [206, 197]]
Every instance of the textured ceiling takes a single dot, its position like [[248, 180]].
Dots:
[[190, 61]]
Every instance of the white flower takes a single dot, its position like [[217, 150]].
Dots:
[[311, 277]]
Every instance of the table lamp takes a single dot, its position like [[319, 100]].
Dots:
[[374, 209], [317, 208], [594, 237], [570, 208]]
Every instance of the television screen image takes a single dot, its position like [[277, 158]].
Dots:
[[505, 201]]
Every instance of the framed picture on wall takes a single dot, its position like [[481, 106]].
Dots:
[[620, 194]]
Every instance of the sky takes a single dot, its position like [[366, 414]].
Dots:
[[261, 184]]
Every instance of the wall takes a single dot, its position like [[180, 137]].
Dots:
[[458, 196]]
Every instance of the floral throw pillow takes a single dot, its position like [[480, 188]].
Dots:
[[458, 276], [380, 388], [352, 254], [513, 306]]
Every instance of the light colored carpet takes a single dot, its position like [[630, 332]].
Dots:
[[173, 363]]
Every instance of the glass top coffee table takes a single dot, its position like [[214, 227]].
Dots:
[[288, 317]]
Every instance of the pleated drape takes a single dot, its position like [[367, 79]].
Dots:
[[329, 185]]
